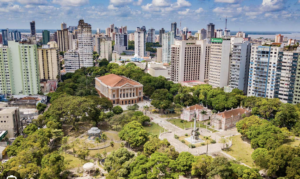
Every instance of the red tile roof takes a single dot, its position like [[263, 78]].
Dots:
[[197, 106], [233, 112], [113, 80]]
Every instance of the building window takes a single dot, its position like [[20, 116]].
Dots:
[[114, 97], [113, 101], [140, 93]]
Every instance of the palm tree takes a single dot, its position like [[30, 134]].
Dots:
[[112, 144], [223, 141], [97, 140], [206, 138], [99, 157], [104, 153], [146, 108], [104, 138]]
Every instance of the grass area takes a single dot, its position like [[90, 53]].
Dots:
[[154, 129], [241, 151], [72, 162], [169, 115], [188, 143], [185, 124], [108, 149]]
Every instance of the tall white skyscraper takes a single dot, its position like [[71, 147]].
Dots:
[[85, 44], [239, 66], [140, 42], [98, 31], [71, 59], [167, 41], [219, 33], [219, 61], [19, 73], [262, 71], [121, 42], [151, 35]]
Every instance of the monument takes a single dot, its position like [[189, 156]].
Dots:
[[194, 139]]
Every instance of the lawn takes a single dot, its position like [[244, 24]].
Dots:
[[241, 151], [169, 115], [72, 162], [154, 129], [185, 124], [108, 149], [188, 143]]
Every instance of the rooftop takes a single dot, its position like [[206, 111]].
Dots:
[[113, 80], [195, 107], [7, 110], [233, 112], [158, 68]]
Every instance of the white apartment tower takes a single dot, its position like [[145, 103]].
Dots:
[[239, 66], [85, 44], [151, 35], [72, 62], [140, 42], [262, 71], [19, 69], [186, 63], [167, 41], [219, 61], [121, 42]]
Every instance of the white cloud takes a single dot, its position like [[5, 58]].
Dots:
[[184, 12], [272, 5], [120, 2], [228, 1], [28, 2], [112, 7], [71, 2], [11, 8], [138, 3], [230, 11], [199, 10], [183, 3], [161, 3]]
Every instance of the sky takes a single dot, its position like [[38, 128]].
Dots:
[[242, 15]]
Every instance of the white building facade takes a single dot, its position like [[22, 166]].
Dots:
[[167, 41], [140, 42], [72, 62], [85, 44]]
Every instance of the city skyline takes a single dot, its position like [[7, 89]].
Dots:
[[261, 15]]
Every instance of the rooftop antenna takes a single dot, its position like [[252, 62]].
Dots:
[[226, 23]]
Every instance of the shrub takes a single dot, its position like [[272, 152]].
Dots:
[[186, 135], [183, 141], [117, 110], [213, 141], [202, 144], [192, 146], [176, 137], [208, 123]]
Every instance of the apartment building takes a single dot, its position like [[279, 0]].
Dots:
[[219, 61], [49, 64], [186, 60], [72, 62], [286, 77], [206, 67], [239, 66], [10, 121], [19, 70], [296, 97], [167, 41], [121, 42], [105, 49], [262, 71], [151, 35], [85, 44], [140, 42], [63, 40]]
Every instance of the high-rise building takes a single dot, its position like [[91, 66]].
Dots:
[[159, 55], [239, 66], [72, 41], [206, 55], [227, 33], [63, 40], [98, 31], [189, 34], [19, 72], [5, 36], [185, 31], [15, 35], [63, 26], [46, 36], [262, 71], [279, 38], [167, 41], [203, 34], [151, 35], [72, 28], [32, 28], [174, 28], [140, 41], [121, 42], [105, 49], [186, 60], [219, 62], [71, 59], [85, 44], [124, 30], [240, 34], [287, 79], [49, 64], [55, 37], [1, 39], [131, 37], [107, 32], [219, 33], [211, 30], [161, 32]]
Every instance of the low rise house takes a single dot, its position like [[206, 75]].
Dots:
[[228, 119], [119, 89], [189, 113]]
